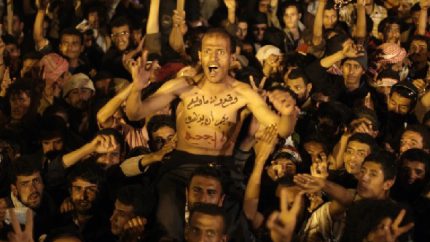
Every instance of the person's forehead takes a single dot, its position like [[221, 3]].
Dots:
[[123, 207], [70, 38], [206, 221], [411, 135], [352, 62], [418, 42], [54, 139], [120, 28], [83, 183], [215, 40], [20, 94], [295, 81], [313, 145], [357, 145], [414, 164], [35, 174], [284, 160], [291, 9], [208, 181], [399, 99], [330, 11], [164, 130], [373, 166]]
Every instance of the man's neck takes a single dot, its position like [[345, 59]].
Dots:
[[81, 219], [215, 88], [74, 62]]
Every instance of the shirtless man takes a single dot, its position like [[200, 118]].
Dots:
[[208, 113], [207, 118]]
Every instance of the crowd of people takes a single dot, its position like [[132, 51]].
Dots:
[[215, 120]]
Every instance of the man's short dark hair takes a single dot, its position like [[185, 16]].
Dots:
[[296, 73], [159, 121], [423, 38], [386, 160], [418, 155], [223, 33], [89, 171], [19, 86], [52, 127], [210, 209], [25, 165], [365, 139], [423, 131], [406, 90], [119, 22], [139, 197], [209, 171], [74, 32]]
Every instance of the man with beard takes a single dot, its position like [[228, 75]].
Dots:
[[413, 175], [418, 54], [300, 84], [89, 214], [410, 186], [207, 120], [77, 93], [27, 191]]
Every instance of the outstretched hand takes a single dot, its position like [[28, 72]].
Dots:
[[393, 230], [308, 183]]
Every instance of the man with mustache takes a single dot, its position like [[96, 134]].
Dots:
[[208, 115], [90, 215], [27, 191]]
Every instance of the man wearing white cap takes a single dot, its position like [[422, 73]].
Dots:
[[78, 90], [270, 58]]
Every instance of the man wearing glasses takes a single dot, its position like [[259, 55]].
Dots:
[[120, 36]]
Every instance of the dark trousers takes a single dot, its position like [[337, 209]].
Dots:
[[171, 185]]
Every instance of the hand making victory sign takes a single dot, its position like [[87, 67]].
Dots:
[[18, 235], [282, 224]]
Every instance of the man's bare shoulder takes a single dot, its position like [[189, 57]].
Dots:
[[177, 85], [239, 86]]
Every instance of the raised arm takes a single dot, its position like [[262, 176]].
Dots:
[[38, 37], [361, 19], [422, 21], [135, 108], [317, 35], [176, 37], [263, 149], [100, 144], [313, 184], [109, 109], [134, 166], [152, 26]]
